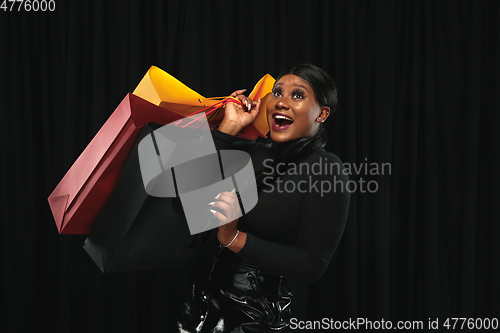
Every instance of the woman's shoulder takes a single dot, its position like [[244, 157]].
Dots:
[[322, 155], [323, 164], [322, 176]]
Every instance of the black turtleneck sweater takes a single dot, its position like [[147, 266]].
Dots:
[[299, 219]]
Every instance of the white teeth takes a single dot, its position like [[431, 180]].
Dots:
[[278, 116]]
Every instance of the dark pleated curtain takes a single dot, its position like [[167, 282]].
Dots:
[[418, 88]]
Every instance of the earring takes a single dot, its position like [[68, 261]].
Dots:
[[319, 120]]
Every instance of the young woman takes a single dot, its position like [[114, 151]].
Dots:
[[241, 280]]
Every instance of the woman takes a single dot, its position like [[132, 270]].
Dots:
[[293, 231]]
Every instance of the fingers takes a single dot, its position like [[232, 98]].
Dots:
[[247, 102], [222, 219], [229, 198], [229, 204], [238, 92], [255, 109], [226, 208]]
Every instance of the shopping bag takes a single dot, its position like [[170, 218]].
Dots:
[[164, 90], [80, 195], [136, 231], [149, 219]]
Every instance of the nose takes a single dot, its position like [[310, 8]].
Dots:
[[282, 103]]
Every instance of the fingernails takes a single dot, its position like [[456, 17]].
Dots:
[[233, 191], [213, 211], [211, 203], [243, 90], [217, 196]]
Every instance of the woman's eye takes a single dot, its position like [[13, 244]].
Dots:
[[276, 93], [298, 94]]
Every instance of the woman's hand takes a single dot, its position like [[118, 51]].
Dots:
[[228, 227], [237, 117]]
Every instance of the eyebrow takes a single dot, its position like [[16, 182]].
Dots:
[[295, 85]]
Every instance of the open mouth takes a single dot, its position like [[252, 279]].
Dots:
[[281, 121]]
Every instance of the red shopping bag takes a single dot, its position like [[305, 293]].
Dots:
[[81, 194]]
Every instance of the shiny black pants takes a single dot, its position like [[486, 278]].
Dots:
[[232, 295]]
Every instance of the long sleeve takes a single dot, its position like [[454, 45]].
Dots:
[[301, 243], [299, 220], [225, 141]]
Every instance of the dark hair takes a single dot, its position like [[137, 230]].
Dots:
[[325, 92]]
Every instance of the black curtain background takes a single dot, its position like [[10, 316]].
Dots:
[[418, 88]]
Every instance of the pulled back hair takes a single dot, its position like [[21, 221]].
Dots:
[[325, 93], [325, 90]]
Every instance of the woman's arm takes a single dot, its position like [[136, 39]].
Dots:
[[320, 228], [236, 117]]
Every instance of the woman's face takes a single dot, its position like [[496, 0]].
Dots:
[[292, 110]]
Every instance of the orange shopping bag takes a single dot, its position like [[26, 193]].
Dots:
[[162, 89]]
